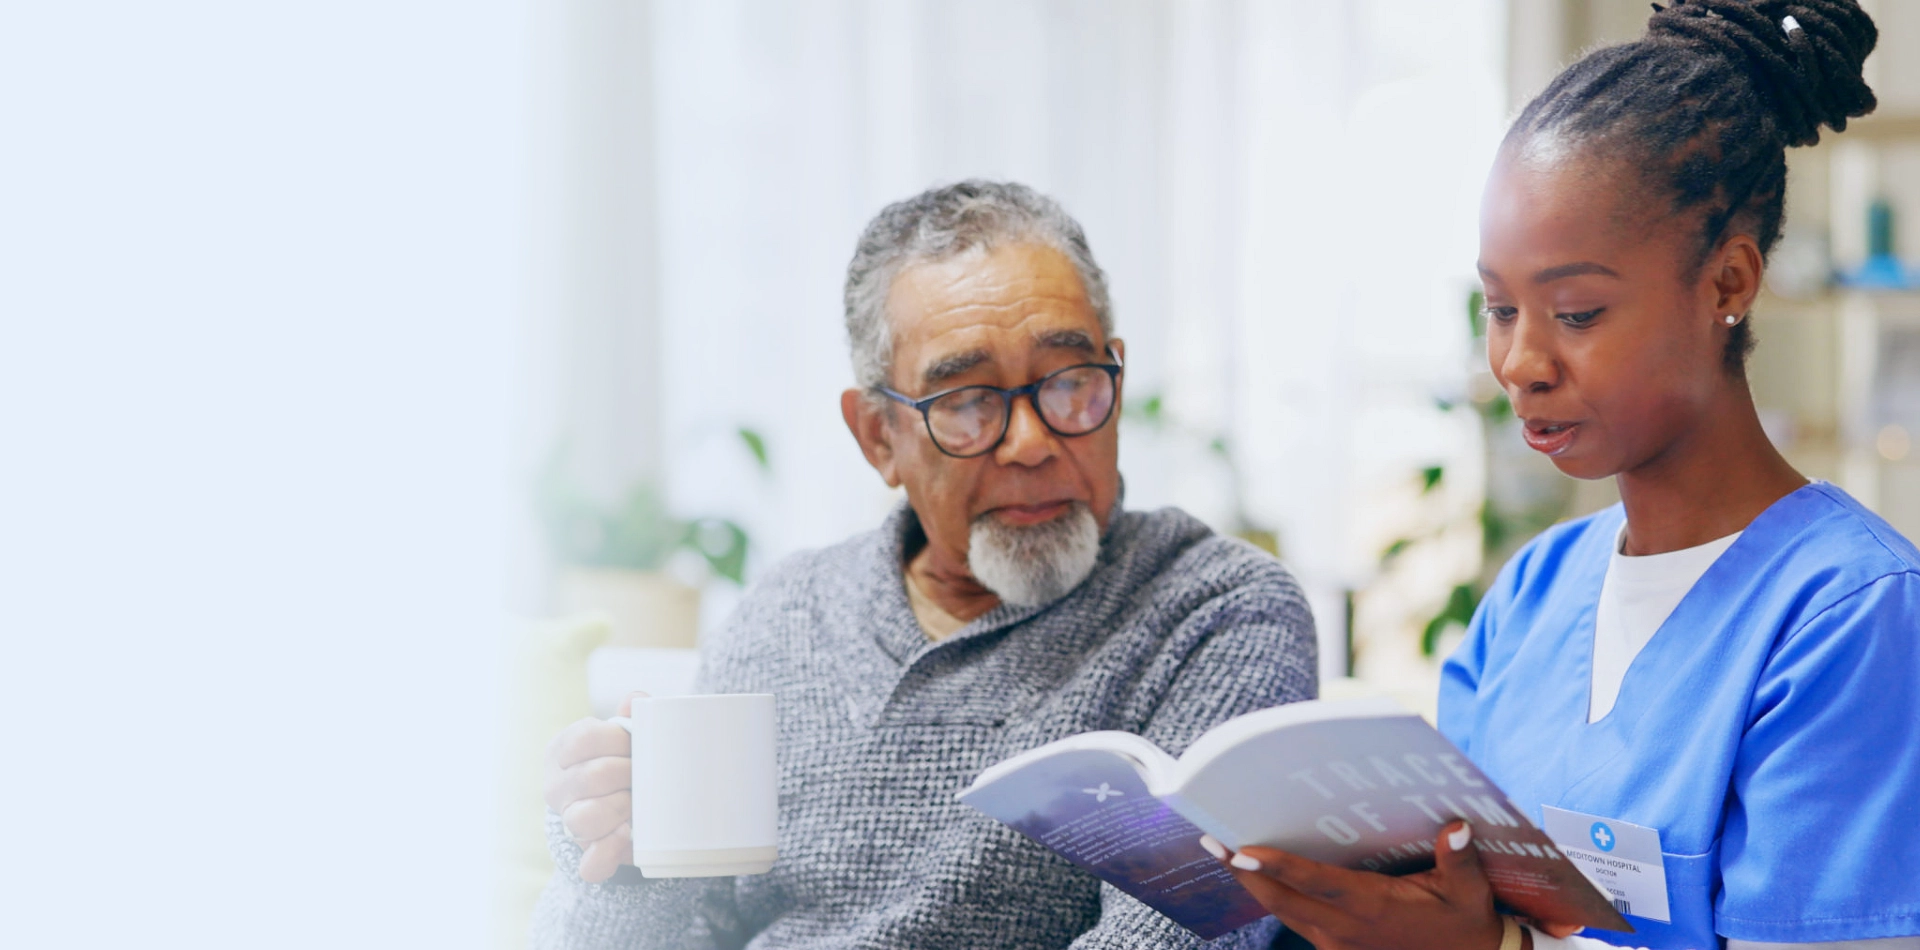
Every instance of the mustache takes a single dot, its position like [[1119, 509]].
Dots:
[[1074, 505]]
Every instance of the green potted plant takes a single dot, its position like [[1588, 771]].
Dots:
[[614, 558]]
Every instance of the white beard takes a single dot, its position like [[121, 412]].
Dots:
[[1036, 564]]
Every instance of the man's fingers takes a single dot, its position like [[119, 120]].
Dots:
[[596, 777], [593, 778], [586, 760], [603, 857], [591, 819], [626, 705], [587, 739]]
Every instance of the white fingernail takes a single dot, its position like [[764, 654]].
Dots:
[[1459, 839], [1214, 847], [1245, 863]]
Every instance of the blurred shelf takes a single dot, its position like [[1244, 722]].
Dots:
[[1885, 126]]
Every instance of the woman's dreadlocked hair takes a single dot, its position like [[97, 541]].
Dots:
[[1707, 103]]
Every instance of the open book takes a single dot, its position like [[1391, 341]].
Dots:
[[1358, 783]]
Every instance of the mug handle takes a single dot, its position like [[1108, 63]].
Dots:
[[633, 734], [626, 722]]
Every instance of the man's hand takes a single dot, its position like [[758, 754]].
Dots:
[[590, 786], [1447, 908]]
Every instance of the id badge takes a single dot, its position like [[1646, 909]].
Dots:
[[1621, 859]]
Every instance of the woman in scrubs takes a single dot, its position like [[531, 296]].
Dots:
[[1729, 660]]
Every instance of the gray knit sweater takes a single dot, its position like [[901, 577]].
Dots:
[[1177, 629]]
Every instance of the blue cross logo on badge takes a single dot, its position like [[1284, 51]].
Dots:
[[1602, 836]]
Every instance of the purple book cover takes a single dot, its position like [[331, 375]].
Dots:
[[1092, 807]]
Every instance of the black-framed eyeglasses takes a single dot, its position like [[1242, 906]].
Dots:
[[969, 421]]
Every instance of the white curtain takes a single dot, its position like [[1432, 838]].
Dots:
[[1283, 194]]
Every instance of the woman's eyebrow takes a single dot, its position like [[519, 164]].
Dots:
[[1557, 272], [1578, 269]]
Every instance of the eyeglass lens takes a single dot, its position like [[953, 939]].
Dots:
[[1073, 402]]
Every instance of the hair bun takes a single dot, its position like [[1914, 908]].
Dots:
[[1811, 74]]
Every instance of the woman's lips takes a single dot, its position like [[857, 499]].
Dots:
[[1550, 438]]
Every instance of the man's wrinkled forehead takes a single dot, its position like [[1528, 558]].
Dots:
[[947, 311], [984, 283], [948, 365]]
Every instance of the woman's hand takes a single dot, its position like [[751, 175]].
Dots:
[[1447, 908]]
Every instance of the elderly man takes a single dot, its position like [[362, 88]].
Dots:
[[1010, 602]]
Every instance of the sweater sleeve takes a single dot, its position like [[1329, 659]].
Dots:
[[1253, 647], [628, 912], [1127, 924]]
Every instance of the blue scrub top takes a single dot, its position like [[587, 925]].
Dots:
[[1770, 729]]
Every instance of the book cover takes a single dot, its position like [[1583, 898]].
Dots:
[[1362, 785], [1093, 808]]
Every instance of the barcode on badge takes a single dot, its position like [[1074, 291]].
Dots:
[[1624, 907]]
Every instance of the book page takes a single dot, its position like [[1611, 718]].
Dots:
[[1152, 761], [1231, 734], [1372, 794], [1093, 808]]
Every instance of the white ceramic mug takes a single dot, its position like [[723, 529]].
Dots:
[[706, 785]]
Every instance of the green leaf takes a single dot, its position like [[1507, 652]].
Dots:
[[1430, 637], [640, 534], [1497, 410], [1477, 313], [1430, 476], [1494, 529], [1393, 550], [1219, 447], [1459, 610], [758, 446], [723, 543], [1150, 410]]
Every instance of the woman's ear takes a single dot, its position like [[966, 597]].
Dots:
[[1736, 270]]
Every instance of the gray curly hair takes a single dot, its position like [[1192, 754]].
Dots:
[[942, 223]]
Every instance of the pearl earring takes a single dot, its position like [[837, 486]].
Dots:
[[1732, 319]]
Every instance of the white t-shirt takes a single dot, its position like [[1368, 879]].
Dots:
[[1639, 594], [1636, 598]]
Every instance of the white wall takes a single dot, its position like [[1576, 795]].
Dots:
[[259, 265]]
